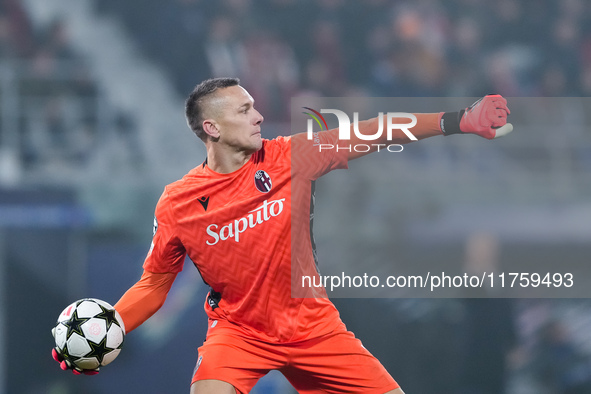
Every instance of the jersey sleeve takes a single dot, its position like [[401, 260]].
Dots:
[[315, 157], [167, 253], [144, 298]]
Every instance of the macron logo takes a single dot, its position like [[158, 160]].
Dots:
[[204, 201], [232, 230]]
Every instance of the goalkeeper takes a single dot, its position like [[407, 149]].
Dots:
[[243, 217]]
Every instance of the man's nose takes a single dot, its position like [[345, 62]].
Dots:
[[259, 119]]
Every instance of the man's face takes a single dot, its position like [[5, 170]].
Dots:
[[239, 124]]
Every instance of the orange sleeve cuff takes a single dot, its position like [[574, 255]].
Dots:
[[144, 298]]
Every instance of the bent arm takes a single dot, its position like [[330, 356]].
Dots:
[[427, 126], [144, 298]]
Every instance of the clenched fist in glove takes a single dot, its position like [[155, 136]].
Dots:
[[487, 117]]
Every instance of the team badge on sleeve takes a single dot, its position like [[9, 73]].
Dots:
[[262, 181]]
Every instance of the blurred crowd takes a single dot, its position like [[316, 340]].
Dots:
[[285, 48], [282, 48], [46, 83], [51, 109]]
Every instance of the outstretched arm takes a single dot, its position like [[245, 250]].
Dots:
[[427, 126], [144, 298], [487, 118]]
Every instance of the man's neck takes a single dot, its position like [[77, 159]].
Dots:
[[225, 161]]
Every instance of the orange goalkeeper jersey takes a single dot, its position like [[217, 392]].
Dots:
[[244, 230]]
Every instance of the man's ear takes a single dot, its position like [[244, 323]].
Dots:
[[211, 128]]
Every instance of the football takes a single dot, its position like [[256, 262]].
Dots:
[[89, 334]]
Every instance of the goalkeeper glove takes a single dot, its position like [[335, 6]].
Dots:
[[65, 364], [487, 117]]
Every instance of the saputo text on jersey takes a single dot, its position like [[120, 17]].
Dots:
[[265, 212]]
